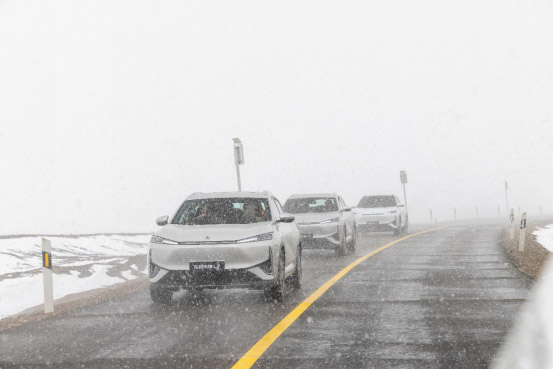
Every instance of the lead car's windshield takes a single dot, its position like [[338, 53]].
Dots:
[[241, 210]]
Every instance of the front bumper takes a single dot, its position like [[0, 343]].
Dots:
[[257, 277], [317, 235], [379, 222]]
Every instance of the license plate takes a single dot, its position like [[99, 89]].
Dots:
[[207, 266], [373, 222]]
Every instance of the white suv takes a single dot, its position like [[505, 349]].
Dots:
[[324, 221], [381, 213], [225, 240]]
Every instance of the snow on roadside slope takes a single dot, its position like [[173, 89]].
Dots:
[[544, 237], [80, 263]]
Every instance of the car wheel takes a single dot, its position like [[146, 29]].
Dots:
[[396, 231], [297, 278], [161, 295], [340, 249], [354, 239], [277, 292]]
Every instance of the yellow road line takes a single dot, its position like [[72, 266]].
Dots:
[[263, 344]]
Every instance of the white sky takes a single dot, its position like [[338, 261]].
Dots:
[[112, 112]]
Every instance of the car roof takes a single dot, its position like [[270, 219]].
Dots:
[[314, 195], [232, 194]]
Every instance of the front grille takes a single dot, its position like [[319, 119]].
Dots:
[[185, 278]]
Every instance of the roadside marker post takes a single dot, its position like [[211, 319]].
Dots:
[[512, 224], [239, 158], [47, 276], [431, 215], [455, 214], [522, 227], [404, 180]]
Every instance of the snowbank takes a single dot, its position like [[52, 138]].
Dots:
[[544, 237], [80, 263]]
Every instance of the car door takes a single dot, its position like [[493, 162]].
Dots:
[[347, 219], [289, 234], [401, 211]]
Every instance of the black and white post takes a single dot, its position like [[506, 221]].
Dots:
[[404, 180], [239, 158], [47, 276], [506, 189], [522, 227], [512, 224]]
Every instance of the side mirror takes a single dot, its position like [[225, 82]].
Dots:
[[347, 209], [286, 218], [161, 221]]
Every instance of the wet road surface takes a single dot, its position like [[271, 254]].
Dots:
[[442, 299]]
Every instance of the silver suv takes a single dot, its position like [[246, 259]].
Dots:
[[225, 240], [381, 213], [324, 221]]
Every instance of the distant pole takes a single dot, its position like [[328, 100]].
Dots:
[[506, 187], [522, 227], [239, 158], [404, 180], [47, 276], [431, 215], [454, 214]]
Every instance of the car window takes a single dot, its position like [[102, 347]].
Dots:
[[278, 205], [377, 202], [223, 211], [311, 205]]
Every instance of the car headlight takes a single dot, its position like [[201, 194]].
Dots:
[[334, 220], [165, 241], [258, 238]]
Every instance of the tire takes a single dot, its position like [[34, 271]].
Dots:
[[354, 239], [161, 295], [277, 292], [340, 249], [397, 230], [297, 277]]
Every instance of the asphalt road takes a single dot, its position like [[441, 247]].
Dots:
[[442, 299]]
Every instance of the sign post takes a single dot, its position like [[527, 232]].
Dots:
[[404, 180], [239, 158], [47, 276], [431, 215], [522, 227]]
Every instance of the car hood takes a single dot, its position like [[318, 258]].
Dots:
[[374, 211], [213, 232], [315, 217]]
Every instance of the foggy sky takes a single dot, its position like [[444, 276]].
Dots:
[[111, 113]]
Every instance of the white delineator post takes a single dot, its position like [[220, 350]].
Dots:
[[47, 276], [239, 158], [522, 227], [512, 224]]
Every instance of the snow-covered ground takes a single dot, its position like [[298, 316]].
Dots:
[[80, 263], [544, 237]]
